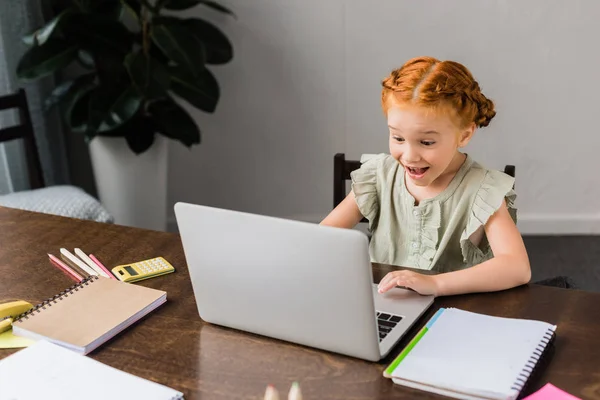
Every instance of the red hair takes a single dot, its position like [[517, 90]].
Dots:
[[431, 83]]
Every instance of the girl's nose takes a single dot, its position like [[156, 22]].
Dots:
[[411, 155]]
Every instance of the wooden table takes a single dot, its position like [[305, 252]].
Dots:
[[174, 347]]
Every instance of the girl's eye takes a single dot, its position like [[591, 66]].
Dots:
[[398, 139], [426, 143]]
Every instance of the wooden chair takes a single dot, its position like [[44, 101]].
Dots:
[[24, 131], [64, 200], [341, 173]]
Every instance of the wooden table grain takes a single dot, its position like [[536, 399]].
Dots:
[[174, 347]]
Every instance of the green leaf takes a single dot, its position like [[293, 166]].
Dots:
[[216, 6], [86, 59], [158, 55], [112, 107], [41, 35], [66, 89], [99, 34], [103, 42], [133, 7], [83, 5], [58, 94], [139, 121], [140, 133], [111, 8], [180, 4], [174, 122], [218, 48], [77, 112], [140, 141], [201, 91], [185, 4], [178, 45], [111, 69], [149, 76], [43, 60]]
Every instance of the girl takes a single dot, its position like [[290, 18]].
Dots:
[[429, 205]]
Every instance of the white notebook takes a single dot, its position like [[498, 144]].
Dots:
[[50, 372], [466, 355]]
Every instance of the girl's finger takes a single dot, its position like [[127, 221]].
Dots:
[[382, 286], [386, 279], [390, 280], [387, 286]]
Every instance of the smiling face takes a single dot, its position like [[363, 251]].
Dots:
[[425, 142]]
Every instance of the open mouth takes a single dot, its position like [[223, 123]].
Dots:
[[416, 172]]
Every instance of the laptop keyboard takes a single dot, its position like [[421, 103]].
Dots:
[[385, 323]]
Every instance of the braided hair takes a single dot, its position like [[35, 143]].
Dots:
[[428, 82]]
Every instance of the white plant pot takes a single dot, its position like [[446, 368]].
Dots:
[[133, 188]]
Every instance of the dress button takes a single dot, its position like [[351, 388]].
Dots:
[[416, 213], [415, 245]]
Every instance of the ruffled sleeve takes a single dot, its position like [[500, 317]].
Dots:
[[364, 186], [495, 187]]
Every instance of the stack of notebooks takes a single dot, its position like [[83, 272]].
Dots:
[[466, 355], [89, 313], [50, 372]]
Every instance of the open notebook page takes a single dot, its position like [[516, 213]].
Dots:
[[50, 372], [480, 353]]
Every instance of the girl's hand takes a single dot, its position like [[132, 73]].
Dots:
[[422, 284]]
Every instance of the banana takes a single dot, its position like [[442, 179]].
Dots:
[[10, 310], [5, 324]]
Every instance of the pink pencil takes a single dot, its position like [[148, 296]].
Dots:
[[101, 266], [65, 268]]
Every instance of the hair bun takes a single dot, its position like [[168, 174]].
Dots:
[[486, 112]]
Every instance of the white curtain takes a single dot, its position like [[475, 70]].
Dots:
[[19, 17]]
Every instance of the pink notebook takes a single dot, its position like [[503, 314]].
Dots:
[[551, 392]]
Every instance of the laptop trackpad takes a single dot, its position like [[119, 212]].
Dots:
[[403, 302]]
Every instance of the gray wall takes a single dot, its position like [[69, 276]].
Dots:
[[305, 84]]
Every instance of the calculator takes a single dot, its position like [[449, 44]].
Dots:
[[143, 269]]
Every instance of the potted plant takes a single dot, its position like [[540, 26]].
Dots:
[[134, 57]]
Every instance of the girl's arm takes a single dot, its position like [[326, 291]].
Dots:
[[345, 215], [509, 267]]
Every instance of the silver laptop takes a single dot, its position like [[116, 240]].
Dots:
[[291, 280]]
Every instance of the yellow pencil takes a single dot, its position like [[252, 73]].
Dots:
[[271, 393], [294, 393]]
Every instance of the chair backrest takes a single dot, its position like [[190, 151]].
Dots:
[[343, 167], [24, 131]]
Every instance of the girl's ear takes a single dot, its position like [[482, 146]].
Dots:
[[465, 136]]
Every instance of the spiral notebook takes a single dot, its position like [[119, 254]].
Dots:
[[466, 355], [50, 372], [89, 313]]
